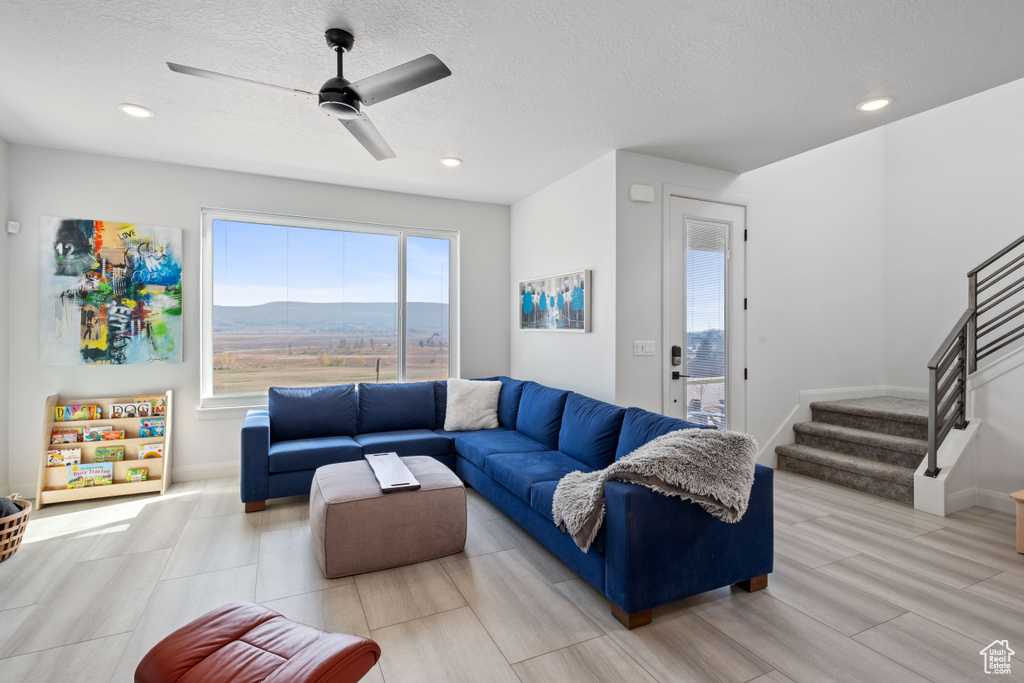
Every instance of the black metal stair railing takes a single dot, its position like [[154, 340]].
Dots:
[[990, 309], [947, 388], [994, 310]]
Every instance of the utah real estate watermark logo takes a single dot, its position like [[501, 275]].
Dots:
[[997, 657]]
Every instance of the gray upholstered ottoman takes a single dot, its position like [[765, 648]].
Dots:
[[357, 529]]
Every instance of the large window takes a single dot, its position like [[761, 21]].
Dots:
[[299, 302]]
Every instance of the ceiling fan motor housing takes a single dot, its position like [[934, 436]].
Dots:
[[338, 102]]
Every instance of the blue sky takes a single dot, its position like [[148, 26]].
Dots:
[[256, 263]]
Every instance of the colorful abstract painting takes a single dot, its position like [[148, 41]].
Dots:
[[561, 302], [110, 293]]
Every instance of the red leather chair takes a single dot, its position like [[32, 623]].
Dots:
[[244, 642]]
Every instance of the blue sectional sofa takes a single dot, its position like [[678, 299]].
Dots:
[[652, 549]]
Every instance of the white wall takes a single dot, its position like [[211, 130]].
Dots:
[[814, 276], [998, 460], [954, 198], [59, 183], [638, 379], [4, 304], [567, 226]]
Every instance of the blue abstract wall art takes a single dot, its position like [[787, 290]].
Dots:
[[558, 303]]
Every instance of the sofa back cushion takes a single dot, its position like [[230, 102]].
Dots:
[[440, 403], [391, 407], [590, 430], [312, 412], [640, 426], [540, 413]]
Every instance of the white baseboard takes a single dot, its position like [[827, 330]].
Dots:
[[802, 412], [214, 470], [26, 489], [906, 392], [996, 368], [809, 395], [961, 500], [782, 435], [995, 500]]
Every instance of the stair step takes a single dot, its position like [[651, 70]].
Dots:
[[881, 479], [886, 448], [904, 417]]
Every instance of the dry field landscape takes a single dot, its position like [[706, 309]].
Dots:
[[250, 363]]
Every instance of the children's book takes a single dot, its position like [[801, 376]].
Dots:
[[154, 426], [151, 450], [109, 454], [112, 435], [65, 435], [94, 433], [98, 474], [157, 402], [137, 474], [129, 410], [64, 456], [73, 413]]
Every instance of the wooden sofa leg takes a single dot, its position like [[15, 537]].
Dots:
[[256, 506], [633, 620], [754, 584]]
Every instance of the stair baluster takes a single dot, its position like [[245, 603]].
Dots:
[[969, 342]]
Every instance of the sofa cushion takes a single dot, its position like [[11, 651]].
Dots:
[[540, 413], [542, 498], [405, 442], [312, 412], [519, 471], [440, 403], [590, 430], [476, 446], [309, 454], [392, 407], [508, 401], [472, 405], [640, 426]]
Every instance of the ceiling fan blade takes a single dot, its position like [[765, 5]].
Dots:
[[400, 79], [369, 137], [214, 76]]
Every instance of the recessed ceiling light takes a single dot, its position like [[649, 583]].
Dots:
[[874, 103], [135, 110], [451, 161]]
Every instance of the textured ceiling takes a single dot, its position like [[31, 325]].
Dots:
[[539, 88]]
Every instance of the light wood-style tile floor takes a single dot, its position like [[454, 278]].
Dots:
[[864, 590]]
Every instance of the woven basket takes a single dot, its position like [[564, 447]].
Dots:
[[13, 528]]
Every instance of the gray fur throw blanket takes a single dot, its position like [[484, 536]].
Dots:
[[712, 468]]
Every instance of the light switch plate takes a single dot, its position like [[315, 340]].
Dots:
[[13, 227], [643, 348]]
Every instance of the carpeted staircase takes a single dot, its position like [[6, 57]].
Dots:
[[869, 444]]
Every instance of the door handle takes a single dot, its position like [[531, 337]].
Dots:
[[677, 375]]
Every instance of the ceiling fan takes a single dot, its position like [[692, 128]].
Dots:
[[341, 99]]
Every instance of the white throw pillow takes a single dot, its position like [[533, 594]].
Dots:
[[471, 405]]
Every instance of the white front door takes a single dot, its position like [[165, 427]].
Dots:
[[704, 349]]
